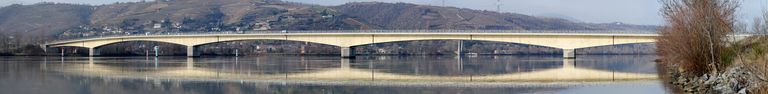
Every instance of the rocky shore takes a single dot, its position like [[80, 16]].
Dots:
[[732, 81]]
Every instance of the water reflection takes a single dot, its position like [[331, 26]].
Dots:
[[465, 66], [287, 74], [621, 63], [492, 68]]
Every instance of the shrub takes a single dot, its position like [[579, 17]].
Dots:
[[695, 33]]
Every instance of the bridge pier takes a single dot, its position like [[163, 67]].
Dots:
[[192, 52], [347, 52], [459, 48], [190, 63], [93, 52], [345, 63], [569, 53], [62, 51], [569, 63]]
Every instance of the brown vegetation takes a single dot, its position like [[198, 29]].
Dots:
[[695, 43], [755, 61], [754, 55], [694, 37]]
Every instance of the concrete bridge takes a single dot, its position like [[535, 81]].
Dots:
[[349, 40]]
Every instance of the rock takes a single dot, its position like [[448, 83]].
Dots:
[[743, 91], [705, 77]]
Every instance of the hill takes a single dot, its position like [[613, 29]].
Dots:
[[28, 25]]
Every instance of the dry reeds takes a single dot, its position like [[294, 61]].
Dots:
[[755, 63], [695, 35], [756, 54]]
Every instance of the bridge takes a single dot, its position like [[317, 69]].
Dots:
[[568, 41]]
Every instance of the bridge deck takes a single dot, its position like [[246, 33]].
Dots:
[[376, 32]]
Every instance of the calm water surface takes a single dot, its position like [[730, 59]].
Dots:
[[603, 74]]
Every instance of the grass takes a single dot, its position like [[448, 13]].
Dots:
[[755, 60]]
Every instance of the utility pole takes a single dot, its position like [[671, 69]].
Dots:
[[498, 6], [146, 51], [427, 27], [443, 3]]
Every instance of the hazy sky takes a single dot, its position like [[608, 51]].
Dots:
[[596, 11]]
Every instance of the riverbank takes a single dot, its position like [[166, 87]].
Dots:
[[745, 75], [730, 82]]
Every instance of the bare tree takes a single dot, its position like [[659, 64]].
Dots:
[[760, 25]]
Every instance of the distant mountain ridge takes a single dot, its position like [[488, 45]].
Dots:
[[38, 23]]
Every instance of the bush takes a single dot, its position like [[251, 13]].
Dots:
[[694, 37]]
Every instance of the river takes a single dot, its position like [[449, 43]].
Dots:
[[588, 74]]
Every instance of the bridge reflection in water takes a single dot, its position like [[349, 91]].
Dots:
[[376, 69]]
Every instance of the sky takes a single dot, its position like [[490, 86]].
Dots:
[[643, 12]]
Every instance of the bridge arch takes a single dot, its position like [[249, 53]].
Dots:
[[140, 48], [205, 48], [128, 41], [408, 40], [464, 44], [95, 43], [617, 44], [620, 49], [208, 43]]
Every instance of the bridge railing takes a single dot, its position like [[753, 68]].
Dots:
[[362, 31]]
